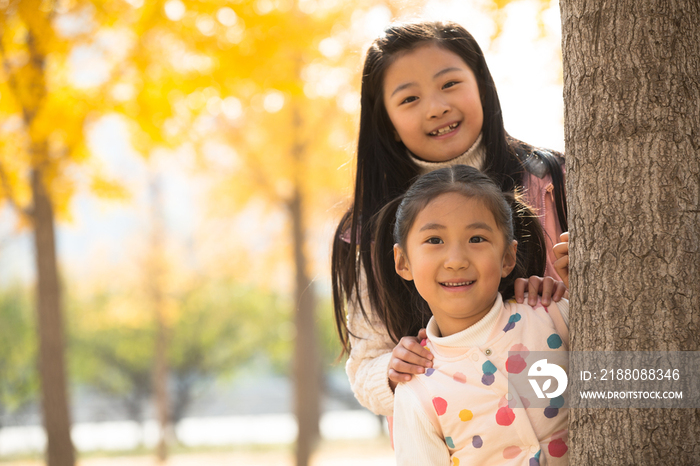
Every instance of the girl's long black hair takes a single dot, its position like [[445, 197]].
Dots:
[[384, 170], [395, 300]]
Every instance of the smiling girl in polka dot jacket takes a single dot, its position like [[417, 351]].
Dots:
[[454, 256]]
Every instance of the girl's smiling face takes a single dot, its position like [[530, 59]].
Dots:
[[432, 99], [456, 255]]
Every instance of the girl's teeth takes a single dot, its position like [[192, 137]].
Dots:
[[458, 284], [444, 130]]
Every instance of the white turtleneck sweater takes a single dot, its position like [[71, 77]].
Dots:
[[474, 157]]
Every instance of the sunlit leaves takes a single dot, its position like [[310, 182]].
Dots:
[[48, 96]]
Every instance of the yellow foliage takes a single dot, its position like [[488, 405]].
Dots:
[[46, 113], [108, 189], [277, 81]]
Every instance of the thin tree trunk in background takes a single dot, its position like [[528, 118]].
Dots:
[[306, 367], [307, 374], [632, 128], [156, 278], [54, 396]]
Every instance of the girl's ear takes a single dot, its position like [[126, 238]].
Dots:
[[509, 258], [403, 268]]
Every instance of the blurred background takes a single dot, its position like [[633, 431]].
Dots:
[[171, 174]]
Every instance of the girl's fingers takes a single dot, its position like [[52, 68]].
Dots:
[[520, 285], [547, 287], [533, 289], [559, 291], [400, 360], [561, 265], [562, 247], [404, 368], [396, 377], [560, 250], [410, 351], [413, 346]]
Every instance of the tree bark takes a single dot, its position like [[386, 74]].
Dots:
[[307, 374], [307, 389], [632, 129], [50, 327]]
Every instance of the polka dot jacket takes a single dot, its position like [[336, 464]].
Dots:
[[467, 401]]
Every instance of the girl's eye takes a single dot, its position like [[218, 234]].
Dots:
[[434, 240], [477, 239], [450, 84], [408, 100]]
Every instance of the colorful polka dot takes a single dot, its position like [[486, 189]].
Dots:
[[450, 443], [505, 416], [515, 364], [525, 402], [520, 348], [488, 368], [440, 405], [455, 461], [535, 460], [511, 452], [465, 415], [511, 322], [557, 402], [429, 371], [554, 341], [550, 412], [557, 448], [459, 377], [477, 442]]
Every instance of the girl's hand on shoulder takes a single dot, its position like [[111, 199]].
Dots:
[[561, 252], [548, 288], [408, 358]]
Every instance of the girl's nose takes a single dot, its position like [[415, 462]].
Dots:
[[437, 108], [456, 259]]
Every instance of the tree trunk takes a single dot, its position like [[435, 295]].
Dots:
[[50, 327], [156, 279], [632, 128], [307, 378], [307, 386]]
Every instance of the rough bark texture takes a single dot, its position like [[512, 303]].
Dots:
[[632, 127], [54, 396]]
